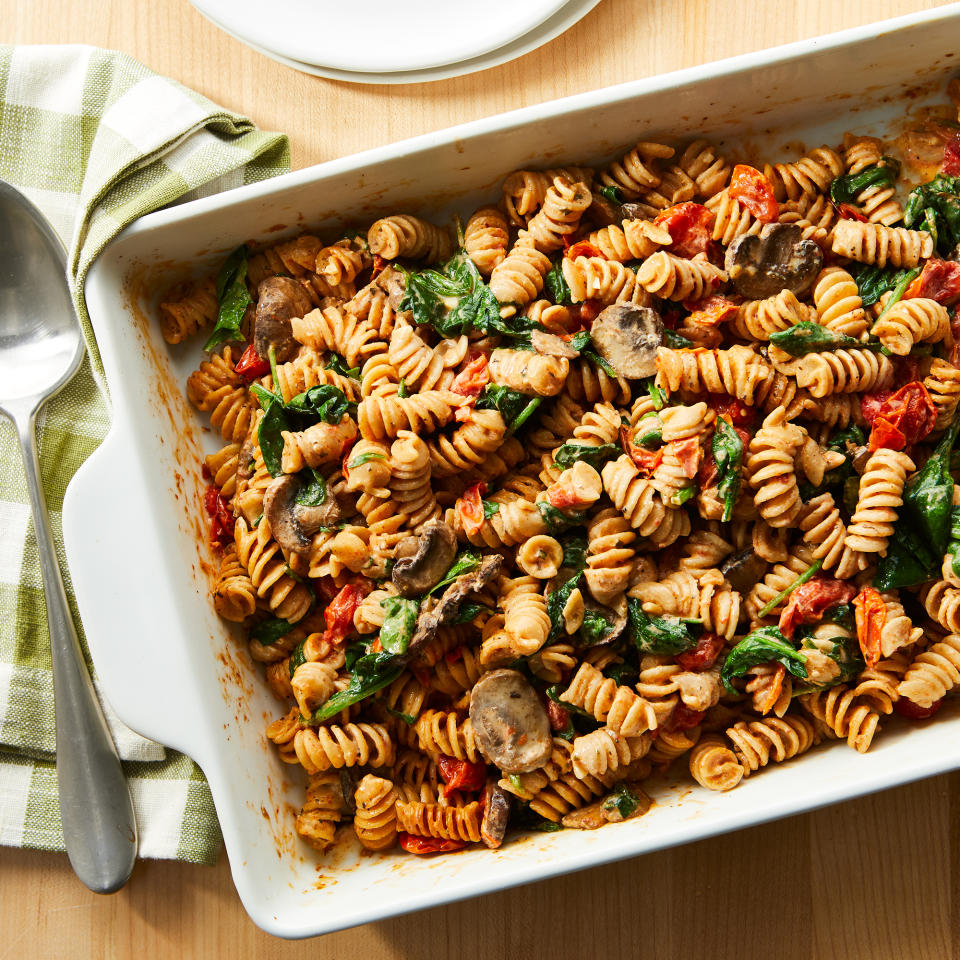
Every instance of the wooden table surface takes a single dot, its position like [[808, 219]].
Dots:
[[876, 878]]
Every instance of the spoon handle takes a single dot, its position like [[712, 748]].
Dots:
[[99, 827]]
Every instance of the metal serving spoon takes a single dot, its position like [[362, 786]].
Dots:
[[40, 350]]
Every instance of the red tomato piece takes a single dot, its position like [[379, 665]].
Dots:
[[736, 411], [703, 655], [221, 518], [646, 461], [559, 716], [584, 249], [939, 280], [470, 508], [338, 615], [688, 452], [755, 192], [471, 380], [951, 157], [910, 710], [461, 774], [712, 310], [563, 498], [810, 600], [909, 412], [424, 845], [849, 212], [455, 655], [345, 456], [251, 365], [378, 264], [871, 615], [683, 718], [871, 403], [691, 227]]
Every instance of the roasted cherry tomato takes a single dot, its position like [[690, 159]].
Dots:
[[646, 461], [691, 227], [584, 249], [471, 380], [755, 192], [939, 280], [683, 718], [703, 655], [951, 157], [559, 716], [688, 452], [712, 310], [221, 519], [809, 602], [461, 774], [871, 615], [910, 710], [470, 508], [378, 264], [251, 365], [739, 413], [423, 845], [338, 615], [849, 212], [908, 413]]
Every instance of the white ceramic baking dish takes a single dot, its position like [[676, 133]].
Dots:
[[133, 518]]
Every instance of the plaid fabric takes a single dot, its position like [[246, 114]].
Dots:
[[95, 140]]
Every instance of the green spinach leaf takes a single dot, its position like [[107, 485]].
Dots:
[[623, 800], [559, 521], [728, 456], [371, 672], [809, 337], [557, 601], [556, 284], [339, 365], [572, 451], [935, 206], [660, 635], [763, 645], [399, 623], [313, 488], [270, 630], [845, 189], [233, 298], [464, 562]]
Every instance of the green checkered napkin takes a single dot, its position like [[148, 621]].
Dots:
[[95, 140]]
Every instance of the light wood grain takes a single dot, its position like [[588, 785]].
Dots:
[[876, 878]]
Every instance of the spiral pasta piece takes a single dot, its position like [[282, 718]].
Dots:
[[881, 493], [406, 236], [776, 580], [341, 262], [774, 739], [469, 445], [933, 673], [485, 238], [559, 216], [380, 418], [234, 595], [609, 557], [838, 302], [595, 278], [875, 243], [633, 240], [737, 371], [714, 765], [638, 500], [674, 278], [518, 279], [770, 469], [943, 384], [878, 202], [623, 711], [707, 168], [605, 752], [339, 331], [758, 319], [524, 190], [322, 810], [526, 621], [216, 389], [918, 320], [354, 744], [260, 555], [732, 218], [942, 602], [636, 172], [188, 308], [844, 714], [841, 371], [807, 177], [823, 529], [445, 733]]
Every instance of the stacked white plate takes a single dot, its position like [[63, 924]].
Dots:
[[394, 41]]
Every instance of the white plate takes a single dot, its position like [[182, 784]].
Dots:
[[380, 36], [133, 521], [566, 16]]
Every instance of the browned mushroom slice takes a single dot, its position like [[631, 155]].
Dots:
[[744, 569], [550, 345], [292, 523], [446, 608], [279, 299], [509, 722], [627, 337], [496, 813], [245, 457], [779, 259], [424, 559], [603, 211]]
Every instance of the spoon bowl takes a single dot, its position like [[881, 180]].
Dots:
[[41, 348], [40, 342]]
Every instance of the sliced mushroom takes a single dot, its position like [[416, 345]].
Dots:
[[550, 345], [859, 457], [744, 569], [627, 337], [292, 524], [448, 606], [424, 559], [496, 813], [603, 211], [245, 457], [279, 299], [776, 260], [510, 722], [391, 281], [638, 211]]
